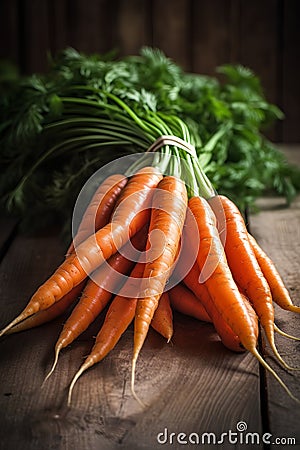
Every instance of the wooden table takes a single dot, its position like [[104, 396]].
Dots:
[[192, 385]]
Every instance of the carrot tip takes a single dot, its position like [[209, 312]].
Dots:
[[143, 405], [294, 308], [17, 320], [275, 375], [82, 369], [57, 350], [282, 333]]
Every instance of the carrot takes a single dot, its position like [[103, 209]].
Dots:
[[228, 337], [221, 285], [185, 301], [245, 268], [167, 219], [251, 311], [49, 314], [162, 320], [279, 292], [118, 317], [100, 208], [98, 292], [130, 216]]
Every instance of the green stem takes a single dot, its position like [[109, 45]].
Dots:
[[142, 123]]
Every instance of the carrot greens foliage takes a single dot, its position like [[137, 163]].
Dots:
[[59, 127]]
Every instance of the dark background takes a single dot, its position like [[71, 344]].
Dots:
[[198, 34]]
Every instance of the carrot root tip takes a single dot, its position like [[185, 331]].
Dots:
[[294, 308], [57, 350], [280, 359], [282, 333], [14, 322], [275, 375], [82, 369], [134, 394]]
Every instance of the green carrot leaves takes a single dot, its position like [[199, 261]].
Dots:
[[68, 122]]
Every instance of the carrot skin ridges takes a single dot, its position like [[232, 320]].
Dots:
[[185, 301], [100, 289], [166, 223], [130, 216], [244, 266], [118, 318], [218, 278], [227, 336], [279, 292], [162, 320], [46, 315], [100, 208], [167, 219]]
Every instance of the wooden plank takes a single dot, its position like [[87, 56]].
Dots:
[[91, 29], [211, 35], [291, 152], [277, 229], [59, 19], [192, 385], [133, 26], [172, 30], [8, 227], [258, 41], [291, 71], [9, 30], [258, 47], [35, 35]]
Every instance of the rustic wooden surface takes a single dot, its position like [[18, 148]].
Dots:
[[192, 385], [198, 34], [277, 228]]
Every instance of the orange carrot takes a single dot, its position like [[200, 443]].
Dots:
[[118, 317], [220, 283], [98, 292], [279, 292], [245, 268], [100, 208], [185, 301], [128, 218], [49, 314], [167, 219], [162, 320], [228, 337]]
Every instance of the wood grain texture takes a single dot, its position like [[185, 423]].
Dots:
[[133, 27], [9, 31], [259, 47], [198, 34], [34, 35], [277, 229], [192, 385], [91, 28], [172, 29], [211, 22], [8, 229]]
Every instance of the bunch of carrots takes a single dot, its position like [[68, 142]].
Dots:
[[151, 240]]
